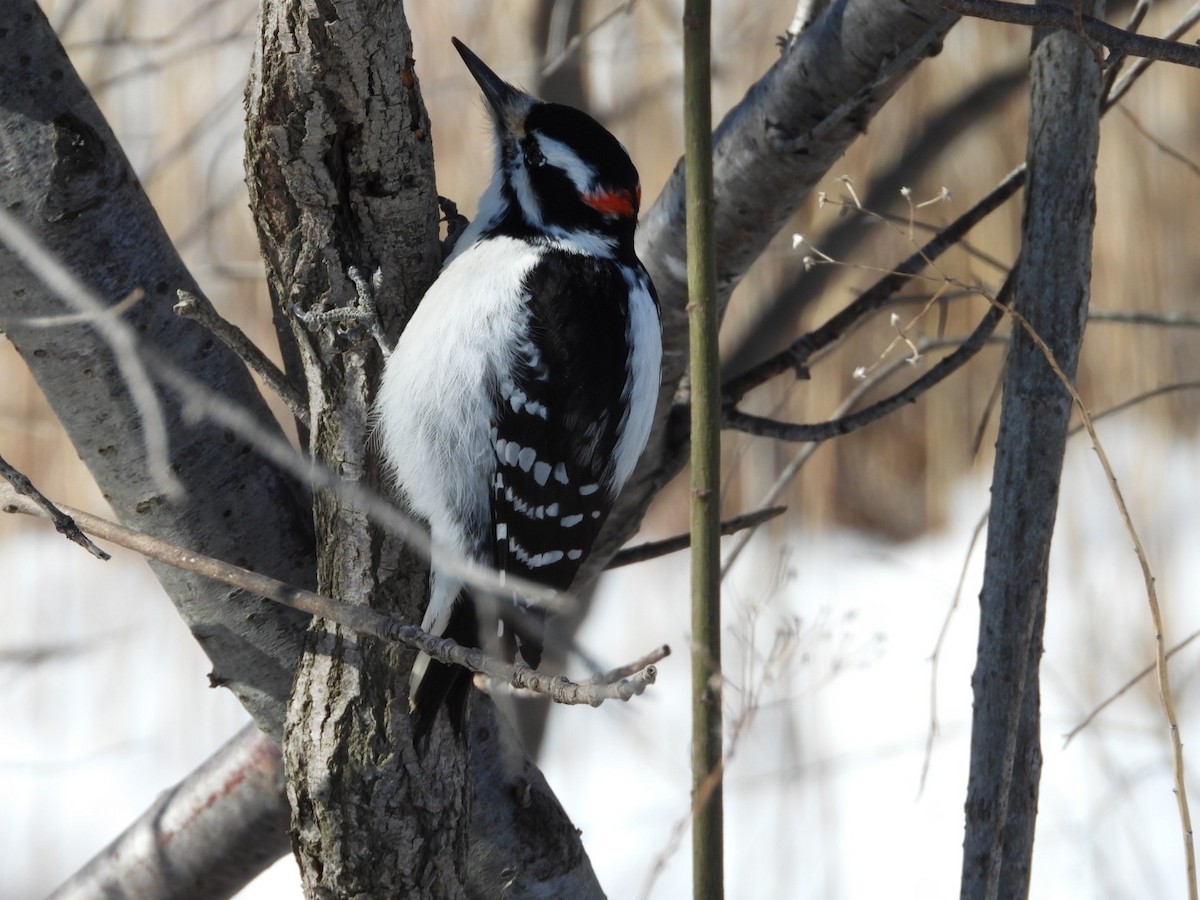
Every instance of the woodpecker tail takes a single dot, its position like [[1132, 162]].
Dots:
[[436, 684]]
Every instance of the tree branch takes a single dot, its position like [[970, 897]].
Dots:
[[361, 620], [63, 523], [654, 549], [942, 369], [198, 309], [233, 803], [1051, 295], [1065, 18]]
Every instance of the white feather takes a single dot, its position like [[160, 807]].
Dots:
[[643, 377], [434, 409]]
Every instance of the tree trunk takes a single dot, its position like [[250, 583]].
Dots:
[[65, 178], [1051, 293], [340, 169]]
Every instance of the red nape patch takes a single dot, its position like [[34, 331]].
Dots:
[[614, 203]]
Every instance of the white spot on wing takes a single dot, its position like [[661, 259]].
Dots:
[[572, 521], [541, 472], [589, 489], [527, 458], [560, 474]]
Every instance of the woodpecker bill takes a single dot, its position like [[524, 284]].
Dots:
[[520, 395]]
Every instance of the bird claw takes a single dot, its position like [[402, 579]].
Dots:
[[363, 311]]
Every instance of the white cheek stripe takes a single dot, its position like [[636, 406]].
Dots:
[[562, 157]]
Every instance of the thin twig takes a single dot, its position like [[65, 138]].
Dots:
[[1048, 15], [573, 45], [796, 356], [360, 619], [63, 523], [936, 655], [1123, 690], [820, 431], [199, 310], [1159, 143], [655, 549]]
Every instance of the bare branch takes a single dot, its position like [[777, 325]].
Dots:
[[198, 309], [654, 549], [944, 368], [1043, 15], [207, 836], [359, 619], [1163, 319], [63, 523]]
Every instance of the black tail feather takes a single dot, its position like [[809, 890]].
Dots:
[[443, 684]]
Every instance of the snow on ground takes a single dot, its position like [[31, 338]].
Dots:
[[823, 795]]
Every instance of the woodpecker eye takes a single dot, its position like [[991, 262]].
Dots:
[[533, 156]]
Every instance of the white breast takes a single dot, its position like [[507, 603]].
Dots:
[[434, 409]]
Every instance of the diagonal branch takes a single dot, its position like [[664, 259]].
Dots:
[[943, 369]]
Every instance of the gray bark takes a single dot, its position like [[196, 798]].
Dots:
[[340, 169], [63, 175], [235, 801], [1051, 292]]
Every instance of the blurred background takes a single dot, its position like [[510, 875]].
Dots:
[[834, 611]]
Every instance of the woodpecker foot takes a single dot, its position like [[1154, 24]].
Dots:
[[362, 312], [456, 224]]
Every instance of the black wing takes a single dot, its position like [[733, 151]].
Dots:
[[556, 425]]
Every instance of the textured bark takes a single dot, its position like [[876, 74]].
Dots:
[[1052, 294], [63, 175], [522, 843], [235, 800], [340, 169]]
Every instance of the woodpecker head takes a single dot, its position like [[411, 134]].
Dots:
[[559, 173]]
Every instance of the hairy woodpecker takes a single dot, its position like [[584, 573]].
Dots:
[[520, 395]]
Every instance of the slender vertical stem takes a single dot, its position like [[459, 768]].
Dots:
[[707, 838]]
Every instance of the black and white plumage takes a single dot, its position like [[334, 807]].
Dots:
[[521, 394]]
